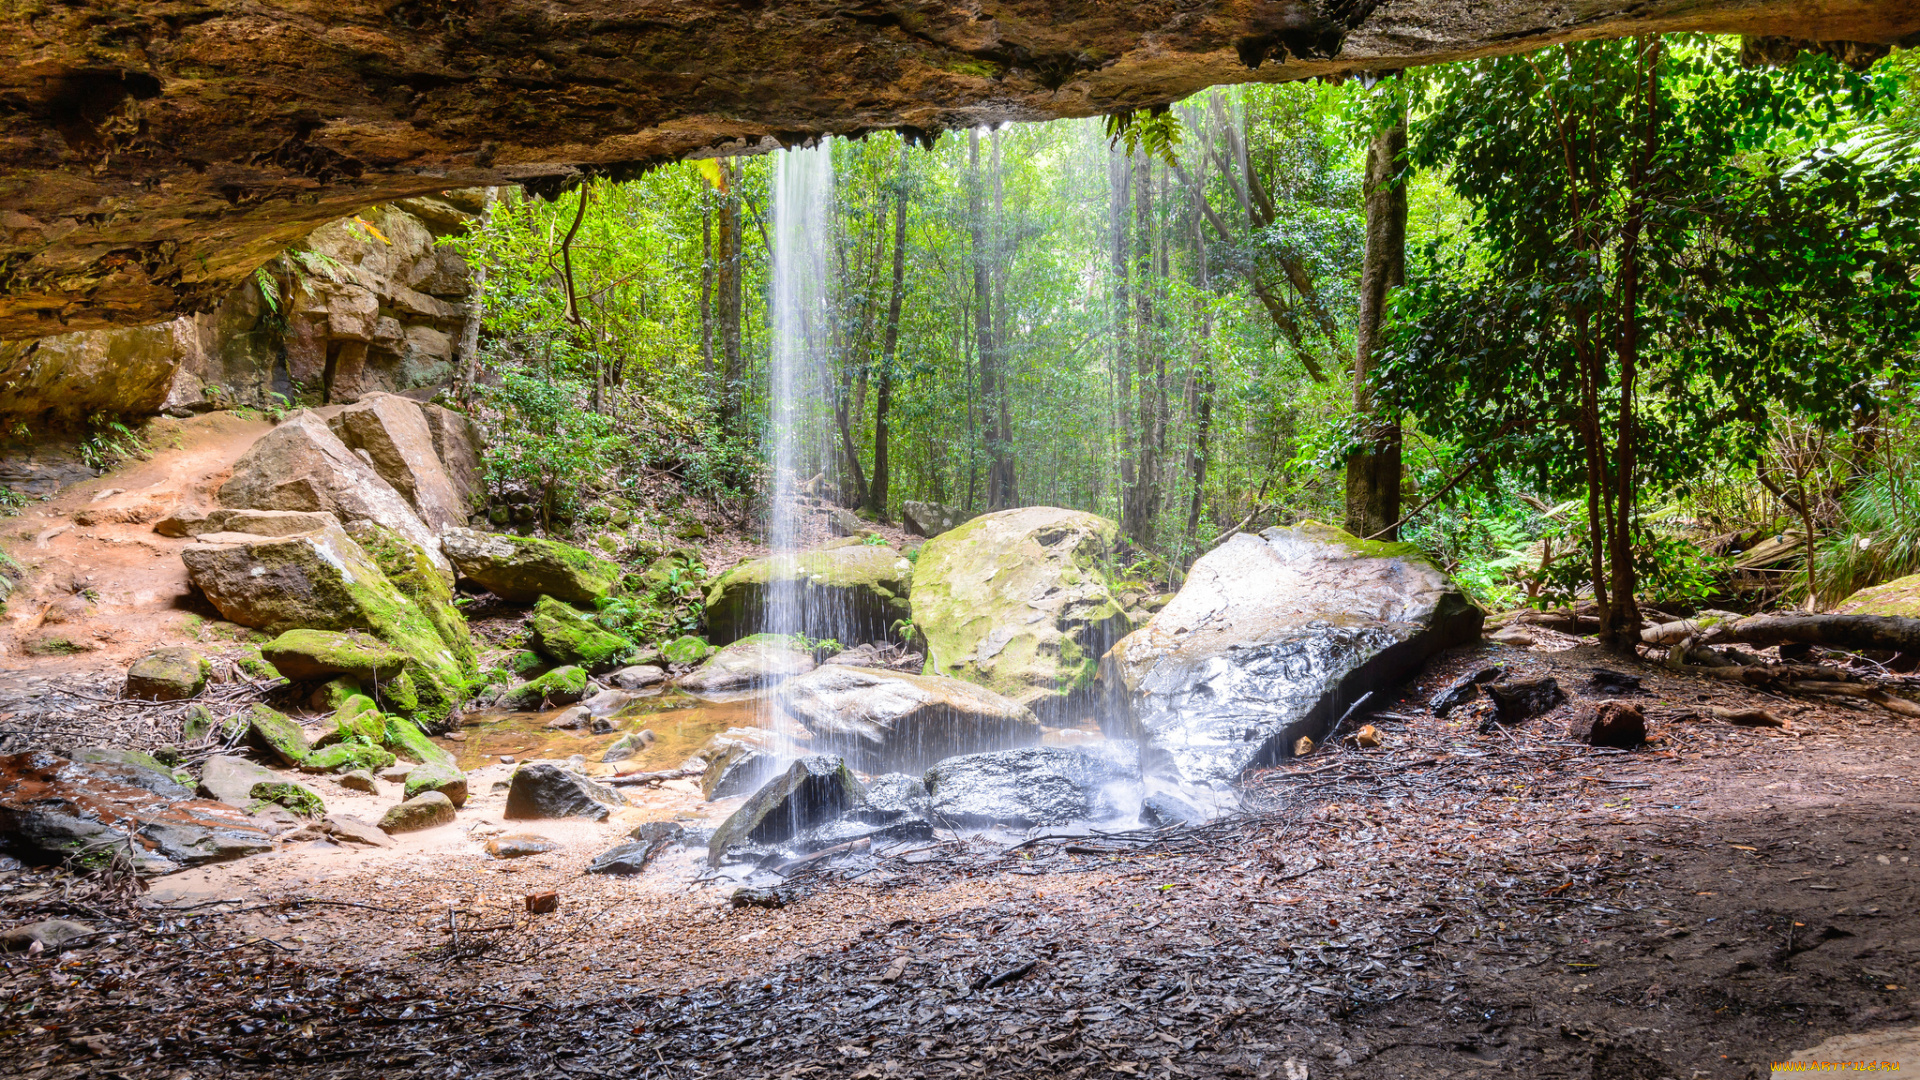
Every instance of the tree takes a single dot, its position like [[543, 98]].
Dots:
[[1373, 470]]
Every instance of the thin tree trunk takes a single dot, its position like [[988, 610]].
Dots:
[[1373, 473], [889, 343], [706, 287], [476, 305], [1003, 492], [728, 271], [1120, 175]]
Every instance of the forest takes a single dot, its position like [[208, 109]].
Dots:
[[1611, 315]]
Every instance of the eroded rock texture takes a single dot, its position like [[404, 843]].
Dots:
[[153, 154]]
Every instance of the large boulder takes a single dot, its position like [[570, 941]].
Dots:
[[1020, 602], [1899, 597], [79, 810], [394, 433], [928, 519], [760, 660], [250, 522], [1273, 637], [850, 592], [303, 465], [566, 636], [325, 581], [812, 791], [456, 442], [316, 654], [424, 811], [1038, 785], [174, 673], [412, 570], [561, 686], [542, 789], [883, 720], [230, 779], [523, 568]]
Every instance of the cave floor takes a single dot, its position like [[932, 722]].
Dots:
[[1456, 902]]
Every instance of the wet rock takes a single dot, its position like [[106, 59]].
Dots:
[[137, 768], [561, 686], [424, 811], [1270, 640], [1517, 701], [544, 790], [629, 745], [273, 734], [856, 826], [568, 637], [351, 830], [1464, 689], [520, 845], [231, 779], [49, 934], [1038, 785], [928, 519], [394, 433], [608, 702], [638, 677], [811, 791], [760, 660], [170, 674], [852, 592], [574, 719], [298, 798], [633, 857], [358, 780], [1619, 724], [521, 569], [890, 720], [62, 808], [1020, 602], [745, 897], [303, 465], [737, 769], [1164, 808], [895, 795]]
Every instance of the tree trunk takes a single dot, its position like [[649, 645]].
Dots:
[[1373, 473], [1853, 632], [728, 270], [889, 343], [706, 286], [1002, 492], [469, 366], [1120, 175], [1202, 407], [1140, 499]]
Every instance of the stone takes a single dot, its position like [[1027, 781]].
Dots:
[[1899, 598], [424, 811], [1464, 689], [346, 757], [521, 569], [567, 637], [302, 465], [631, 857], [1368, 737], [298, 798], [351, 830], [844, 522], [638, 677], [543, 903], [542, 789], [272, 733], [1020, 602], [174, 673], [928, 519], [1038, 785], [358, 780], [397, 438], [561, 686], [231, 779], [70, 809], [138, 768], [1518, 637], [520, 845], [457, 443], [1272, 638], [608, 702], [263, 522], [413, 572], [850, 593], [884, 720], [49, 934], [317, 654], [573, 719], [737, 769], [687, 649], [811, 791], [1619, 724], [1517, 701], [895, 795], [1164, 809], [442, 776], [760, 660]]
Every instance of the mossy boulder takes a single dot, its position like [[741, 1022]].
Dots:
[[199, 723], [406, 739], [851, 593], [527, 663], [686, 649], [522, 568], [316, 654], [255, 666], [441, 776], [568, 637], [343, 757], [561, 686], [336, 692], [427, 810], [174, 673], [356, 718], [298, 798], [1021, 602], [412, 570], [272, 733], [1899, 597]]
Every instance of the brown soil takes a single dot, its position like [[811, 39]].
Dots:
[[1454, 903]]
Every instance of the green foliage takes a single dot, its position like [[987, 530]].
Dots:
[[1879, 538], [874, 540], [1156, 133], [109, 442]]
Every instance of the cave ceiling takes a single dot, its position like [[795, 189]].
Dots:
[[153, 153]]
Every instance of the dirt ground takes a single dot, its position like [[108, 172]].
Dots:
[[1458, 902]]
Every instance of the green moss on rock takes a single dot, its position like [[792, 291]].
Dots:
[[346, 757], [523, 568], [688, 649], [298, 798], [273, 734], [170, 674], [313, 654], [569, 637], [851, 592], [561, 686]]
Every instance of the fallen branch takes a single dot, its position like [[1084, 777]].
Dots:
[[636, 779], [1850, 632]]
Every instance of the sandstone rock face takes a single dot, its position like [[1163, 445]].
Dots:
[[850, 593], [1019, 602], [522, 569], [884, 720], [394, 433], [457, 443], [62, 379], [63, 808], [1272, 638], [761, 660], [175, 122], [302, 465], [170, 674]]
